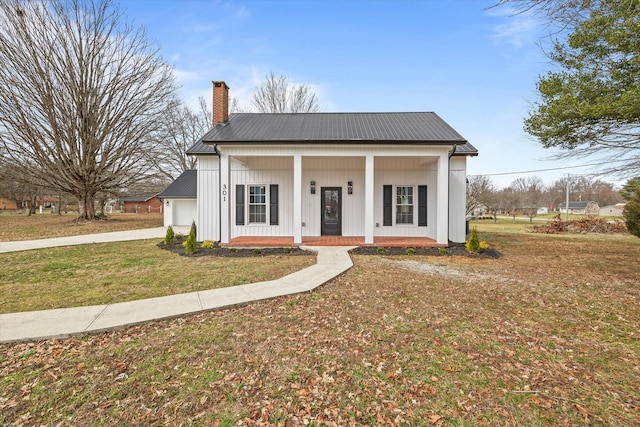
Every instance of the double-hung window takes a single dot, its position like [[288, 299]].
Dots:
[[258, 204], [404, 205]]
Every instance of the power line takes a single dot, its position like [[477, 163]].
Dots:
[[543, 170]]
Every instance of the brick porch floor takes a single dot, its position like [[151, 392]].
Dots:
[[287, 241]]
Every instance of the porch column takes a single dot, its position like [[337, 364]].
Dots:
[[224, 199], [442, 209], [369, 192], [297, 199]]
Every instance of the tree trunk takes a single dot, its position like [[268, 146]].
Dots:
[[86, 207]]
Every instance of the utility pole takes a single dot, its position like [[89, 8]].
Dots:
[[566, 206]]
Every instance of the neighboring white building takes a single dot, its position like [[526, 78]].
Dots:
[[314, 174], [580, 208], [612, 210]]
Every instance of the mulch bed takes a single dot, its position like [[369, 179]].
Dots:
[[454, 249], [218, 251]]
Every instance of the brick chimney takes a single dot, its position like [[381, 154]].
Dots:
[[220, 102]]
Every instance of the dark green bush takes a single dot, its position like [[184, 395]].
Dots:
[[170, 237], [191, 245]]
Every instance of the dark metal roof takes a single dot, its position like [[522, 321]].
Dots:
[[184, 187], [466, 149], [138, 197], [334, 127], [576, 205], [424, 128], [202, 149]]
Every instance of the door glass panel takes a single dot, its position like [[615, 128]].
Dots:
[[331, 211]]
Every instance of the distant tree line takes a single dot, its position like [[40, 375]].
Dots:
[[524, 196]]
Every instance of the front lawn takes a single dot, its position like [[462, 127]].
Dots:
[[545, 335], [107, 273], [20, 226]]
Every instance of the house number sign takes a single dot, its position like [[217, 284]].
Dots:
[[224, 192]]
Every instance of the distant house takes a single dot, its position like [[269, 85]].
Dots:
[[612, 210], [543, 211], [141, 203], [7, 204], [180, 200], [580, 208]]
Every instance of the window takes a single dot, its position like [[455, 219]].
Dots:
[[404, 205], [258, 204]]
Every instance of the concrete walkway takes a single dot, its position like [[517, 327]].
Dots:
[[114, 236], [331, 262]]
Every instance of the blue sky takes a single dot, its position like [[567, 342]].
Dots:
[[475, 67]]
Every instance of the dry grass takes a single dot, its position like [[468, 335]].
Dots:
[[14, 226], [107, 273], [545, 335]]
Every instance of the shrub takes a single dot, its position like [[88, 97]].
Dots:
[[170, 237], [631, 213], [443, 251], [473, 244], [411, 251], [257, 251], [286, 250], [380, 250], [207, 244], [191, 244]]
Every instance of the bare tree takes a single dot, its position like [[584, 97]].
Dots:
[[181, 129], [278, 95], [560, 14], [81, 95], [531, 192], [481, 194], [583, 188]]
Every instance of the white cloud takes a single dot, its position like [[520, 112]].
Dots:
[[186, 76], [200, 28], [516, 29]]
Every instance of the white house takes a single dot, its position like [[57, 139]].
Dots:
[[370, 175], [612, 210], [580, 208]]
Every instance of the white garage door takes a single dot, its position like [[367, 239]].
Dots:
[[184, 212]]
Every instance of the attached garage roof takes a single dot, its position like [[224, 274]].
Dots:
[[184, 187]]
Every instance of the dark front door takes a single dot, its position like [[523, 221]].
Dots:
[[331, 211]]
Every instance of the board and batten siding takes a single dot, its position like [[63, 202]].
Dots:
[[408, 178], [267, 171], [208, 205], [457, 199], [333, 172], [331, 166]]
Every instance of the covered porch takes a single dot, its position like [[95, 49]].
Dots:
[[288, 241]]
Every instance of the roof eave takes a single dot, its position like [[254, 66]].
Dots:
[[334, 142]]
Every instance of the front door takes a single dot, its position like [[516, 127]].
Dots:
[[331, 211]]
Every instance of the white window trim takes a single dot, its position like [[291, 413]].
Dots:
[[248, 204], [413, 222]]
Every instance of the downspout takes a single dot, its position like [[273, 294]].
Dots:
[[451, 153], [215, 148]]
